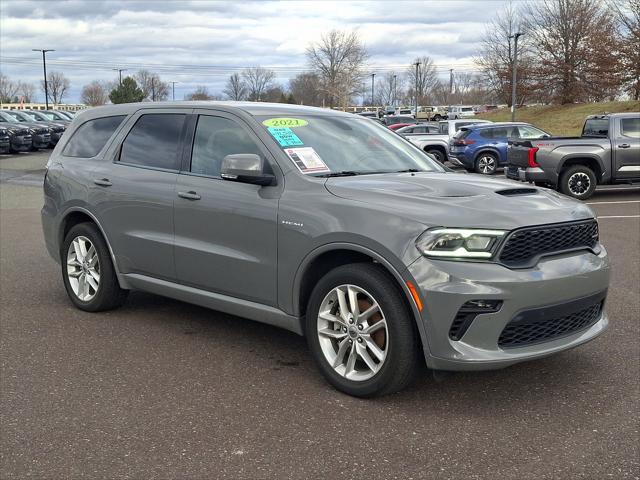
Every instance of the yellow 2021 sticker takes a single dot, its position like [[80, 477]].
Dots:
[[285, 122]]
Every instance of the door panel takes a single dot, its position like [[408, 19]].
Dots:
[[626, 148], [133, 198], [225, 240]]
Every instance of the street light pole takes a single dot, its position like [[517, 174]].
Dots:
[[395, 90], [373, 75], [44, 68], [417, 64], [514, 79], [119, 70], [173, 91]]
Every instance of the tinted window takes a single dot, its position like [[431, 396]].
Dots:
[[215, 138], [631, 127], [596, 127], [91, 137], [154, 141], [526, 131]]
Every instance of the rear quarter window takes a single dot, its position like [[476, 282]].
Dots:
[[91, 137]]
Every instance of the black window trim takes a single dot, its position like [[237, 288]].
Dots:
[[180, 149], [106, 144]]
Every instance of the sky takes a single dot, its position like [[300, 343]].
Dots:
[[203, 42]]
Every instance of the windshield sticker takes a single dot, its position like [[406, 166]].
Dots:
[[285, 122], [307, 160], [285, 136]]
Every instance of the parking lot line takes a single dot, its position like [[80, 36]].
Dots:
[[619, 216]]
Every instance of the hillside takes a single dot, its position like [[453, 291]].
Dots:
[[565, 120]]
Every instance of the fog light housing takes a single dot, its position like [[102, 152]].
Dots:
[[468, 313]]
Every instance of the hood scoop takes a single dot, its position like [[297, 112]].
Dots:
[[515, 192]]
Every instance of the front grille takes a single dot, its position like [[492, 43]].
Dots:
[[527, 330], [523, 246]]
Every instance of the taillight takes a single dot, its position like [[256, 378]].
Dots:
[[532, 157], [464, 141]]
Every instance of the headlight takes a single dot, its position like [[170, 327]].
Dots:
[[459, 242]]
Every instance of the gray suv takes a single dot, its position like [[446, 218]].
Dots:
[[326, 224]]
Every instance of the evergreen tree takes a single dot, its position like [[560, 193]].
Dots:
[[128, 92]]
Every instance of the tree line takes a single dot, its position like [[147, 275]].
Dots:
[[570, 51]]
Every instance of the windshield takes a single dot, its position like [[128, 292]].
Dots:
[[17, 118], [322, 145], [46, 115]]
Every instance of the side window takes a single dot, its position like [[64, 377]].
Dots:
[[631, 127], [91, 137], [215, 138], [530, 132], [486, 133], [154, 141]]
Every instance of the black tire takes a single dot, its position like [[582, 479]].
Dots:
[[437, 118], [402, 349], [486, 163], [578, 181], [108, 295], [437, 154]]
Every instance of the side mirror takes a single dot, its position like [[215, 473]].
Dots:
[[245, 168]]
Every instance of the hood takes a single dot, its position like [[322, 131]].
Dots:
[[460, 200]]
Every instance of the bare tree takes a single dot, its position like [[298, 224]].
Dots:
[[577, 49], [389, 89], [627, 17], [57, 86], [200, 93], [8, 89], [424, 80], [95, 93], [338, 60], [496, 56], [26, 92], [258, 80], [236, 88], [153, 87], [305, 88]]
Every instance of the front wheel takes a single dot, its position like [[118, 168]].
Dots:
[[579, 182], [361, 332]]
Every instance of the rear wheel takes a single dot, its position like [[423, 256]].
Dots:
[[87, 270], [436, 153], [361, 332], [486, 163], [578, 181]]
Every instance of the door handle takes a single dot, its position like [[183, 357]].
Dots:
[[624, 145], [103, 182], [191, 195]]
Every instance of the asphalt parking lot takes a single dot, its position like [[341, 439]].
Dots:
[[163, 389]]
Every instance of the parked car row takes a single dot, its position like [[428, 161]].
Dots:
[[25, 130]]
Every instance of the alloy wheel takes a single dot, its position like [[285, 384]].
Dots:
[[83, 268], [579, 183], [352, 331], [486, 164]]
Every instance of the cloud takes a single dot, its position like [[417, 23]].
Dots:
[[196, 42]]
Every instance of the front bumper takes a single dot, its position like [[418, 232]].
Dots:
[[20, 143], [41, 140], [446, 285], [529, 174]]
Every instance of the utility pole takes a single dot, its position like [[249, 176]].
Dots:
[[417, 64], [450, 81], [153, 89], [514, 80], [44, 68], [373, 75], [173, 91], [119, 70]]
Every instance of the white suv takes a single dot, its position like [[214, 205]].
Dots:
[[461, 111]]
